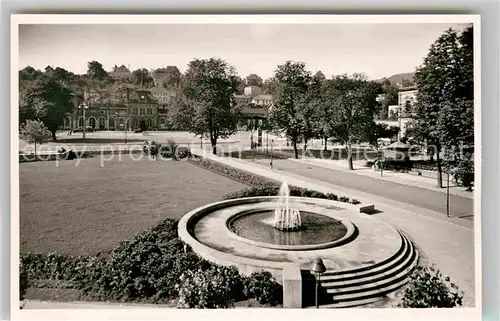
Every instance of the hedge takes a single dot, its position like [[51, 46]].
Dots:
[[261, 186]]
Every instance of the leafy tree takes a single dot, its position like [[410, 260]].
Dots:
[[269, 86], [96, 72], [254, 80], [209, 101], [34, 132], [240, 85], [292, 80], [173, 77], [444, 108], [428, 288], [319, 76], [46, 100], [141, 77], [390, 93], [354, 103], [465, 171], [309, 107], [29, 74]]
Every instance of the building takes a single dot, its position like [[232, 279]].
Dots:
[[163, 95], [255, 107], [120, 72], [252, 91], [263, 100], [141, 110], [407, 98]]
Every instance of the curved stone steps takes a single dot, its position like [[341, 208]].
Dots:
[[344, 275], [350, 289], [397, 267]]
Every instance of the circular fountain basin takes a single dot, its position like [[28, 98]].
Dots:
[[256, 227]]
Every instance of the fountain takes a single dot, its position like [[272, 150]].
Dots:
[[365, 257], [286, 218]]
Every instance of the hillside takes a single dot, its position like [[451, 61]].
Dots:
[[398, 78]]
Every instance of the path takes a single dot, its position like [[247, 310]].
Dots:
[[416, 196]]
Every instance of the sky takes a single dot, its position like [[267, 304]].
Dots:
[[377, 50]]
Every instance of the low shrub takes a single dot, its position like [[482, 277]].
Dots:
[[272, 189], [233, 173], [217, 287], [263, 287], [428, 288]]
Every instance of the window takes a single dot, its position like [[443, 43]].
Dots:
[[142, 111]]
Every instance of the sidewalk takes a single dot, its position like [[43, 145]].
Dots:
[[401, 178]]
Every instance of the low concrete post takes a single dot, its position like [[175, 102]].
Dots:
[[292, 287]]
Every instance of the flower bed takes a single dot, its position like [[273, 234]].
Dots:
[[152, 267]]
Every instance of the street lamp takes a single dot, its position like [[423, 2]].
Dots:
[[317, 269], [84, 107], [272, 141]]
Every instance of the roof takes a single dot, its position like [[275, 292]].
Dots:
[[411, 88], [263, 97], [122, 68], [161, 90], [142, 96]]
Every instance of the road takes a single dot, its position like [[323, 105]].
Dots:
[[416, 196]]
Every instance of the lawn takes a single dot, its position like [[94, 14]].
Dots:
[[87, 209]]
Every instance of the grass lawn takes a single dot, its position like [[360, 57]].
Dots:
[[87, 209]]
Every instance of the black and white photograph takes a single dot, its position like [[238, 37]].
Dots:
[[246, 162]]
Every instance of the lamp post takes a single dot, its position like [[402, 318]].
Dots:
[[83, 107], [317, 269], [272, 141]]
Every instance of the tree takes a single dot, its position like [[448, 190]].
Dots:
[[254, 80], [173, 79], [96, 72], [354, 101], [390, 93], [444, 108], [292, 81], [309, 107], [29, 74], [209, 101], [269, 86], [34, 132], [465, 171], [319, 76], [141, 77], [46, 100], [240, 85]]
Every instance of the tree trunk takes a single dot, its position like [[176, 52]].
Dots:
[[295, 150], [213, 141], [326, 143], [349, 155], [439, 169], [305, 144], [54, 138], [35, 150]]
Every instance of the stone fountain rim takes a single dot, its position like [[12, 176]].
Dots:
[[304, 247], [184, 231]]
